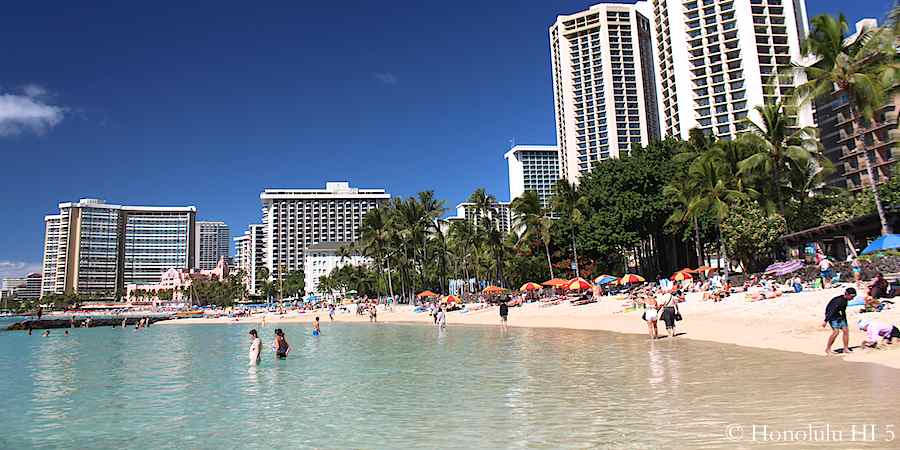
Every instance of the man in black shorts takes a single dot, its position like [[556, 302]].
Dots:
[[504, 314]]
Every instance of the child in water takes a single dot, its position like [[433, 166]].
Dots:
[[316, 330]]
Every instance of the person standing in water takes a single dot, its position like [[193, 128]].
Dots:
[[280, 345], [504, 314], [441, 318], [316, 330], [255, 348]]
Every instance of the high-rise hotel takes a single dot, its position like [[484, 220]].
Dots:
[[533, 168], [628, 74], [295, 219], [718, 59], [96, 248], [213, 242], [604, 84]]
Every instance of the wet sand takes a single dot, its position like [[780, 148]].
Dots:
[[792, 322]]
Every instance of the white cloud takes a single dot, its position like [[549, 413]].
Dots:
[[386, 77], [33, 90], [28, 112], [17, 268]]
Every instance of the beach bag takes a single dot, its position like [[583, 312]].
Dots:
[[677, 316]]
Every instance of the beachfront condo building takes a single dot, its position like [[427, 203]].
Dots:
[[718, 59], [22, 288], [500, 215], [322, 258], [250, 256], [213, 242], [295, 219], [604, 84], [95, 248], [850, 144], [533, 168]]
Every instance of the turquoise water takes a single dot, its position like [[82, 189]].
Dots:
[[400, 386]]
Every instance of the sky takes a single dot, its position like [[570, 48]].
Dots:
[[209, 104]]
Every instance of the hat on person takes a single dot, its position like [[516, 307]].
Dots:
[[863, 323], [850, 291]]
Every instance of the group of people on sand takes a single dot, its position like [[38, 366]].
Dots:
[[660, 304], [836, 317]]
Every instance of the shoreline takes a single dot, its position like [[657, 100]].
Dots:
[[790, 323]]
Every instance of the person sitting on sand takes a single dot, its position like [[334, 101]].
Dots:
[[877, 290], [877, 330], [836, 317]]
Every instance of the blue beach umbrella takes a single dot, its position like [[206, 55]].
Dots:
[[886, 242], [605, 279]]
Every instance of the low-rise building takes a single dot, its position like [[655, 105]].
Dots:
[[322, 258]]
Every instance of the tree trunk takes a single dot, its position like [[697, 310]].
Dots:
[[723, 255], [777, 182], [885, 227], [575, 252], [697, 242], [549, 263]]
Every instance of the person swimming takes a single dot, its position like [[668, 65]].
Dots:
[[316, 329], [255, 350], [280, 345]]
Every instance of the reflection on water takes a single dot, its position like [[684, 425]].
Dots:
[[393, 386]]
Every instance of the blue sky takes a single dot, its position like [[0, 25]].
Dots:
[[208, 104]]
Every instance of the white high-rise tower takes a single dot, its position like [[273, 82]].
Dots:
[[604, 84]]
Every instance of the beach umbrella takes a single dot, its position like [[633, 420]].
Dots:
[[604, 279], [451, 299], [681, 276], [555, 282], [885, 242], [689, 270], [530, 287], [492, 290], [577, 284], [704, 268], [631, 278], [424, 294], [789, 267]]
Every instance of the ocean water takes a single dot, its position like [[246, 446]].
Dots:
[[412, 386]]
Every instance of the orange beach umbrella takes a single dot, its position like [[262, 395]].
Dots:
[[424, 294], [492, 290], [555, 282], [451, 299], [631, 278], [681, 276], [530, 287], [577, 284]]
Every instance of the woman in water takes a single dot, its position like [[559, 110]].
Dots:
[[281, 346], [651, 314], [255, 348]]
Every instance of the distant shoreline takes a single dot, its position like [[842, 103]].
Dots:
[[790, 323]]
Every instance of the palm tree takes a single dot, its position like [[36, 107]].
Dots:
[[683, 191], [714, 195], [433, 209], [864, 68], [484, 206], [778, 144], [569, 203], [531, 223]]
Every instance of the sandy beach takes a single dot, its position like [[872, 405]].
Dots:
[[792, 322]]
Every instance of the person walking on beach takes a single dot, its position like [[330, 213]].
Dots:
[[331, 312], [856, 267], [651, 315], [836, 317], [280, 345], [670, 312], [504, 315], [255, 348], [825, 271]]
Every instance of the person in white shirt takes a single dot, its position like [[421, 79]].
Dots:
[[255, 348]]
